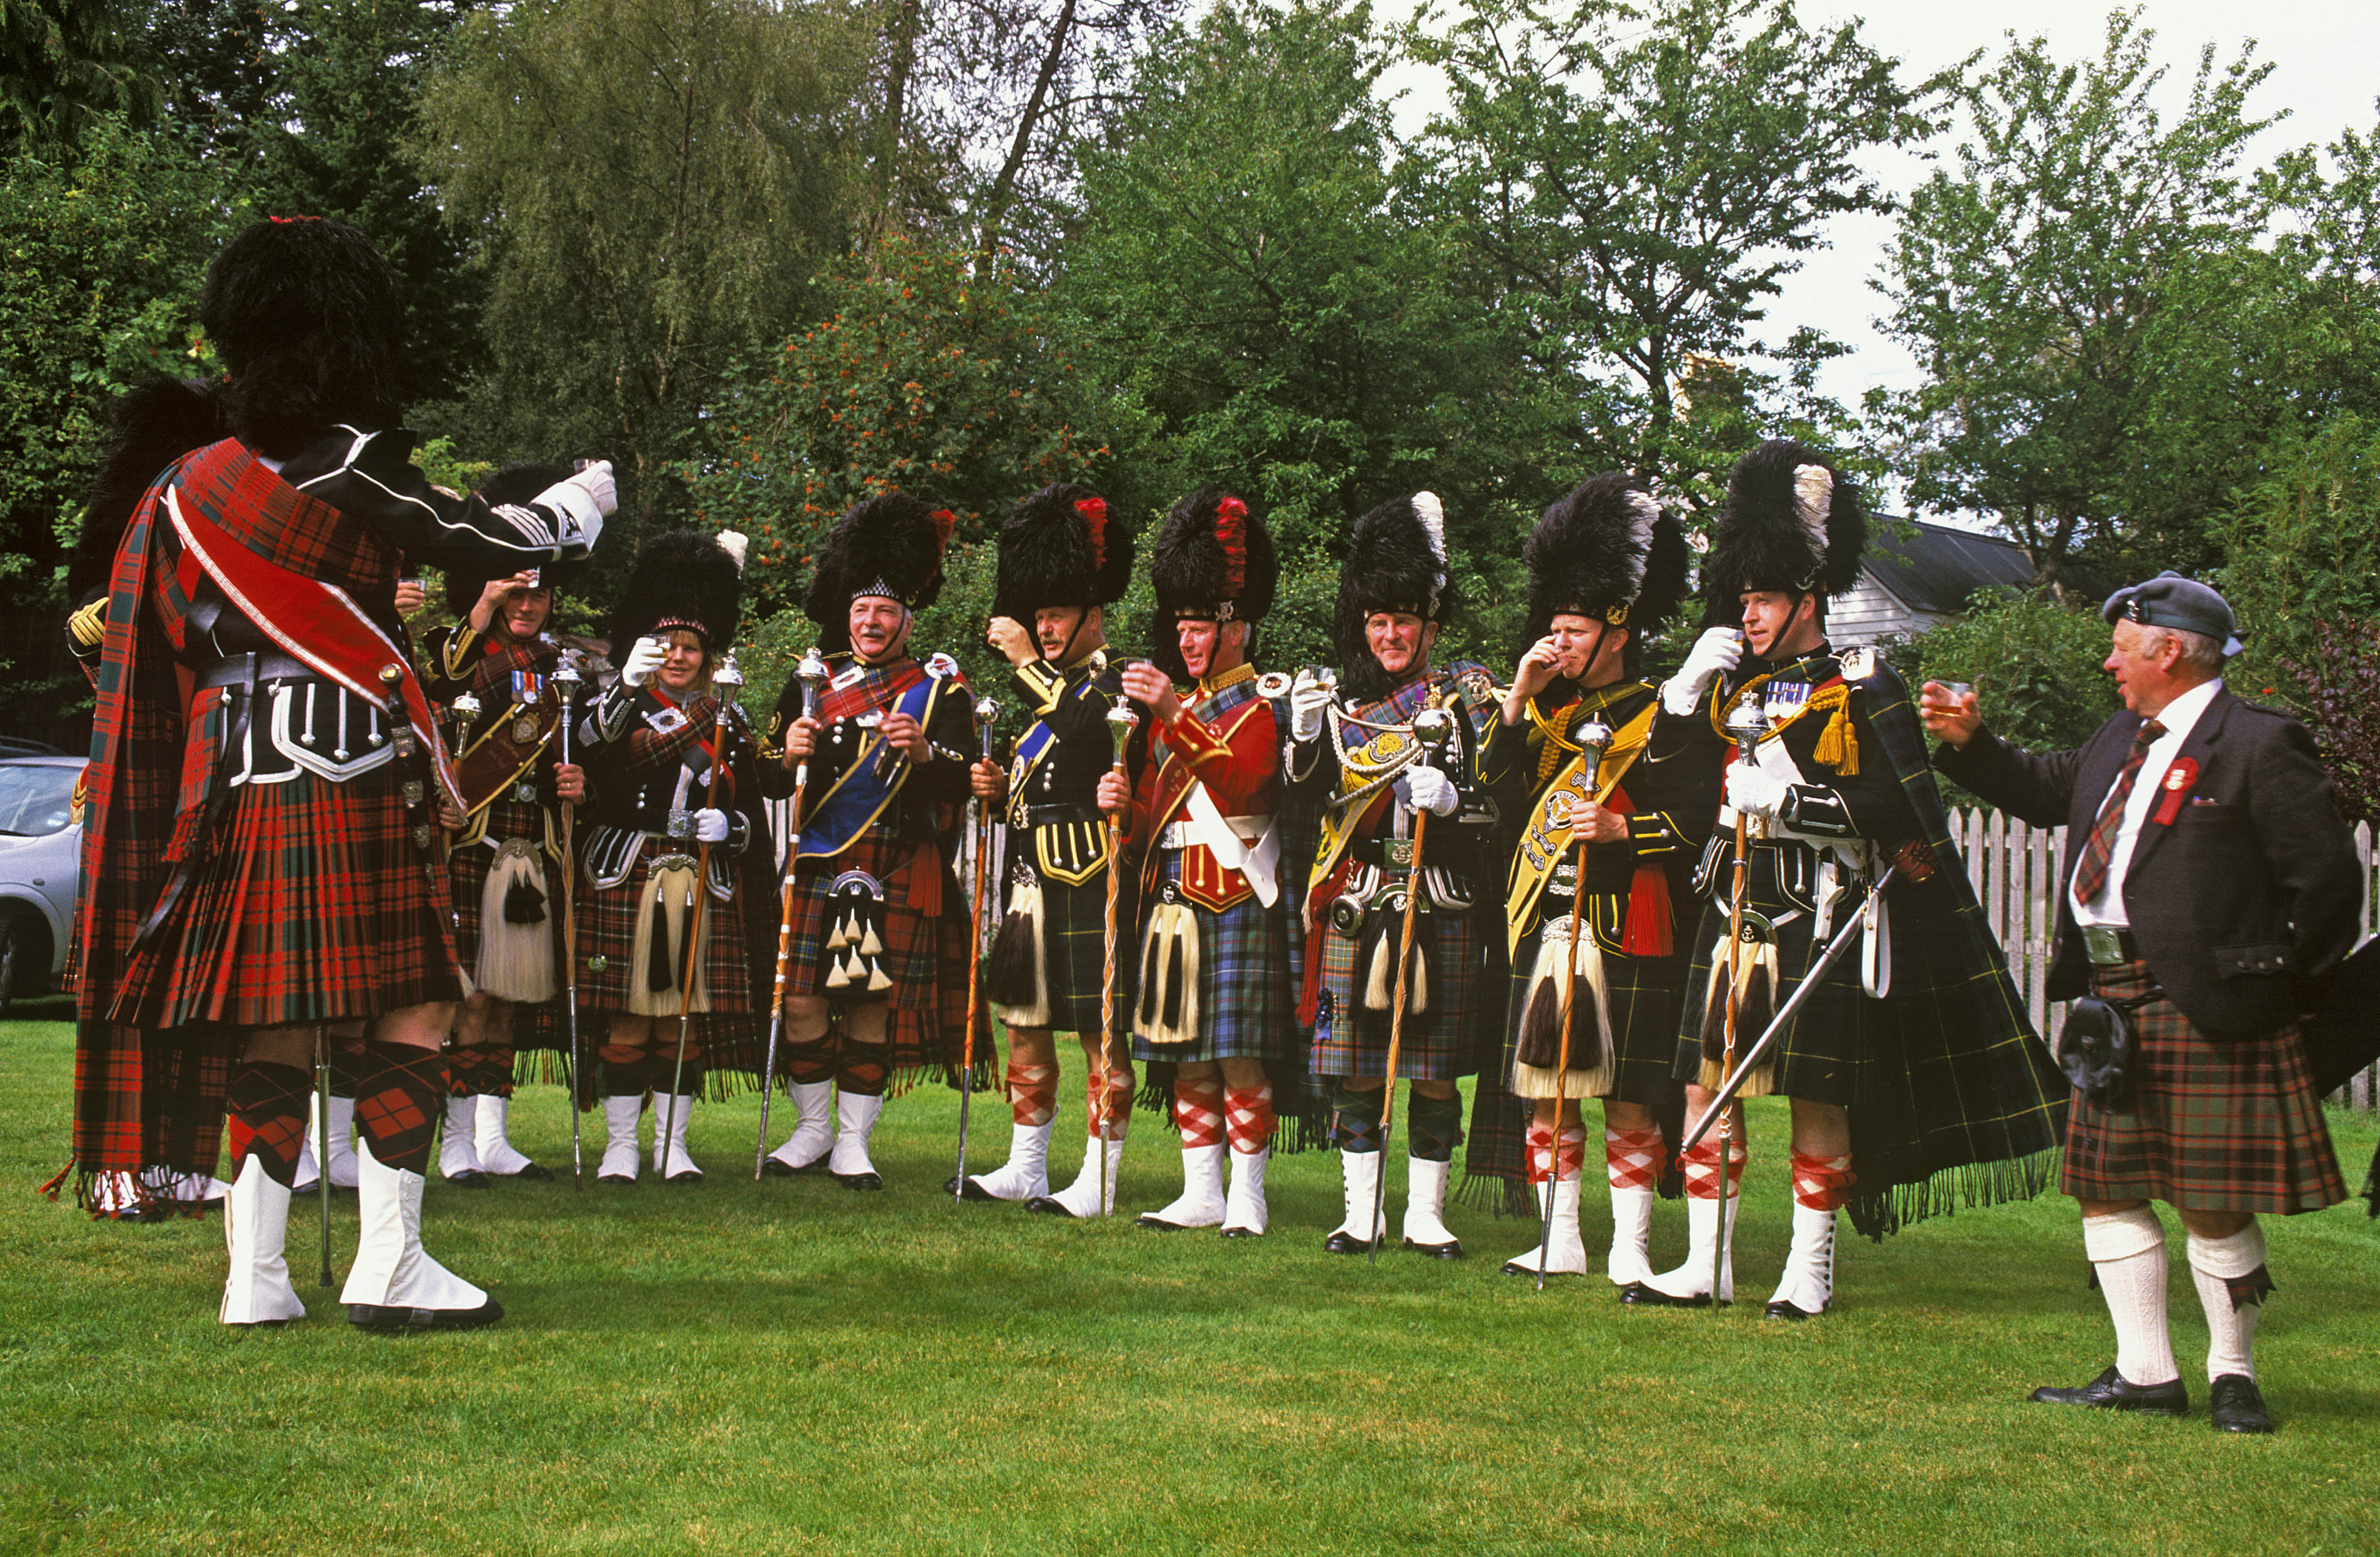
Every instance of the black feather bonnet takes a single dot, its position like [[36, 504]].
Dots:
[[1792, 524], [151, 425], [1605, 550], [1396, 561], [1063, 546], [890, 545], [310, 321], [1213, 561], [687, 579]]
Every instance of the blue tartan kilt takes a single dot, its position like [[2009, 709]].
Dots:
[[1243, 993], [1440, 1043]]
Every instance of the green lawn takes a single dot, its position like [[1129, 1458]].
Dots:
[[787, 1367]]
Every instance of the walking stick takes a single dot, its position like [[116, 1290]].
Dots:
[[1431, 726], [1121, 722], [811, 673], [1745, 724], [1595, 735], [986, 710], [322, 1164], [725, 680], [566, 683]]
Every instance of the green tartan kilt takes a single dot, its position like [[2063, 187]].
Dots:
[[1831, 1053], [1074, 945], [2213, 1127], [1644, 996]]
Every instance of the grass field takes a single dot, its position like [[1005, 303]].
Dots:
[[790, 1368]]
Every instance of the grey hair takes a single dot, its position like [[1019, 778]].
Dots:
[[2199, 651]]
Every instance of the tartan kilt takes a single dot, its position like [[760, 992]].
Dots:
[[1445, 1041], [467, 869], [1243, 998], [925, 953], [1831, 1053], [2213, 1127], [314, 907], [1074, 946], [1645, 997], [609, 956]]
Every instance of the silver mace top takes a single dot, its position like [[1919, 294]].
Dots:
[[566, 678], [811, 673], [727, 675], [465, 707], [1593, 734], [1121, 722], [987, 712], [1433, 727], [1746, 722]]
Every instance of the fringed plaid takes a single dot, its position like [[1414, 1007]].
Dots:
[[2213, 1127]]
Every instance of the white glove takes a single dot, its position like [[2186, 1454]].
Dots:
[[1754, 791], [1714, 654], [644, 660], [710, 826], [1427, 789], [582, 501], [1308, 696]]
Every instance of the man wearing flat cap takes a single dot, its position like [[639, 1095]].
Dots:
[[2210, 885]]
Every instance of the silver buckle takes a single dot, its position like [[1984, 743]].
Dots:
[[1397, 853], [2105, 943]]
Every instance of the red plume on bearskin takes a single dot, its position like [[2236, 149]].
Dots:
[[1211, 553], [1792, 524], [311, 322], [891, 545], [1396, 561], [1605, 547], [1061, 546]]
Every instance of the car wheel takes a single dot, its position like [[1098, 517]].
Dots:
[[17, 950]]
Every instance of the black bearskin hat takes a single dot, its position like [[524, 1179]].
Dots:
[[891, 545], [1213, 559], [1605, 550], [1061, 546], [1396, 561], [153, 424], [513, 484], [682, 579], [1792, 524], [311, 322]]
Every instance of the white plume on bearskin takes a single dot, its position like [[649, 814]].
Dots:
[[1606, 551], [682, 578], [1792, 524], [1396, 561]]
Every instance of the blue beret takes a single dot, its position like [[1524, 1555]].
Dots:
[[2170, 601]]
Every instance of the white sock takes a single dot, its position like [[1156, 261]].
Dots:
[[2128, 1250], [2214, 1264]]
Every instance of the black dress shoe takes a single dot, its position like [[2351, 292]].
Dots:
[[613, 1178], [1450, 1249], [391, 1317], [534, 1174], [1645, 1295], [472, 1180], [1344, 1242], [2112, 1392], [971, 1190], [1242, 1233], [2235, 1404], [1049, 1205], [867, 1181], [777, 1167], [1780, 1309]]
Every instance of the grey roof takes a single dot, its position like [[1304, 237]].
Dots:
[[1933, 568]]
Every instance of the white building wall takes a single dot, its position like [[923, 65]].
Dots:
[[1871, 612]]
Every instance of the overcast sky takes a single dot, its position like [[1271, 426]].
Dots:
[[2323, 54]]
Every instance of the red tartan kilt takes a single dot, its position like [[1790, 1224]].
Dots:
[[925, 955], [467, 869], [609, 956], [2213, 1127], [315, 907]]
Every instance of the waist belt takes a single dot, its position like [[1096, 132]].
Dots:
[[2109, 945], [261, 666], [1058, 815], [1184, 835], [1383, 854]]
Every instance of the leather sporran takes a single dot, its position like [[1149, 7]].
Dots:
[[2099, 1049]]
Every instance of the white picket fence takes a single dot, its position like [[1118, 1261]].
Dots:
[[2015, 868]]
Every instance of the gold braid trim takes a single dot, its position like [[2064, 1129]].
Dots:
[[1838, 743]]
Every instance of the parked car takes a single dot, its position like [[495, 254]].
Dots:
[[40, 866]]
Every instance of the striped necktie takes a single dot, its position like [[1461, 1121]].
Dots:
[[2091, 873]]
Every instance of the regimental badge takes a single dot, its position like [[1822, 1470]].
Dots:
[[1859, 663], [665, 720], [524, 730]]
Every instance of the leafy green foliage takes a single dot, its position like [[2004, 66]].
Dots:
[[67, 66], [924, 376]]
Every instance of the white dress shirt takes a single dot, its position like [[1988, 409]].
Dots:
[[2179, 717]]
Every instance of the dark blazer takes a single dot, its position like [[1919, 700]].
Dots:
[[2243, 902]]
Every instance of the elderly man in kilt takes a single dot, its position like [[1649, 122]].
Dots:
[[1915, 1077], [650, 740], [1371, 774], [505, 858], [879, 928], [1605, 569], [1064, 558], [2210, 886], [1213, 1004], [258, 852]]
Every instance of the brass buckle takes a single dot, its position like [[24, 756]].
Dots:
[[1397, 854], [2105, 943]]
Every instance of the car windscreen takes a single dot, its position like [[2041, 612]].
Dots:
[[36, 797]]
